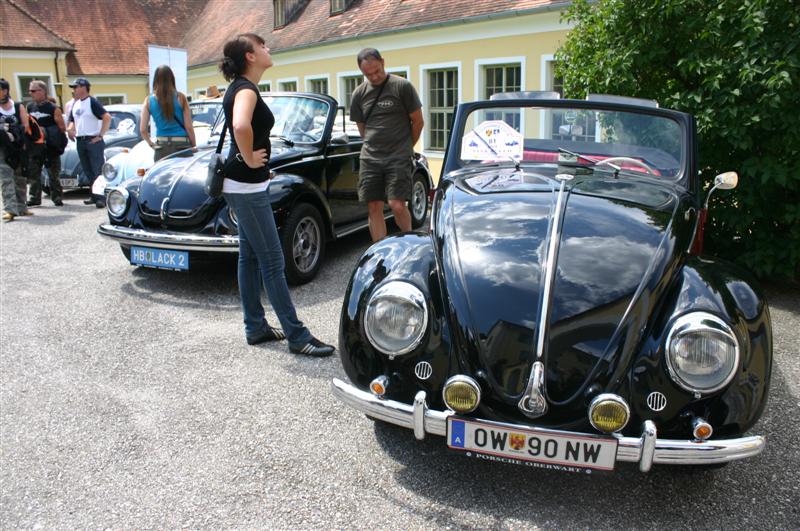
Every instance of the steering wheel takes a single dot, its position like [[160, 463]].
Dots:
[[629, 160]]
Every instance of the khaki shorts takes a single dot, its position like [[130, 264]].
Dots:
[[382, 180]]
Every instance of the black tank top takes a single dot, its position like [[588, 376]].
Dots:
[[262, 123]]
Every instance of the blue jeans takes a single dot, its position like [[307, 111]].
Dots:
[[261, 260], [91, 157]]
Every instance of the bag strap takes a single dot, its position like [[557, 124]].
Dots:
[[222, 137], [369, 112]]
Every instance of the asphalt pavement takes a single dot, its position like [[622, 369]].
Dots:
[[129, 399]]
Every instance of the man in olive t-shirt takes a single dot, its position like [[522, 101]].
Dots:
[[388, 113]]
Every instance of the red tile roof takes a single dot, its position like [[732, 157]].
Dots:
[[313, 24], [20, 29], [111, 37]]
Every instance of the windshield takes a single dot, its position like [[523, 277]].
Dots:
[[204, 114], [297, 118], [651, 144], [122, 122]]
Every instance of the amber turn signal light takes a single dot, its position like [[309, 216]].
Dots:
[[379, 385], [140, 172], [701, 429]]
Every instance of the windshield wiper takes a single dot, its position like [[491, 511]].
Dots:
[[594, 161], [288, 142]]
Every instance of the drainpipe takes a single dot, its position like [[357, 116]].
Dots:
[[58, 81]]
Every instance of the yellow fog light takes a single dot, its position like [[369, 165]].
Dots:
[[461, 393], [609, 413]]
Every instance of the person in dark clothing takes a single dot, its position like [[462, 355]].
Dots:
[[51, 120], [13, 119], [246, 190]]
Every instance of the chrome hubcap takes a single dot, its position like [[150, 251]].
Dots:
[[305, 244], [418, 202]]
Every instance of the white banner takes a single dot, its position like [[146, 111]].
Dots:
[[176, 58]]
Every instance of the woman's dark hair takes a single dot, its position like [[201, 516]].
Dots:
[[234, 62], [164, 87]]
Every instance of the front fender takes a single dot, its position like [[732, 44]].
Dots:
[[408, 257], [286, 190], [724, 290]]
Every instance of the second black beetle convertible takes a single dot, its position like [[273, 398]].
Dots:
[[165, 219], [560, 313]]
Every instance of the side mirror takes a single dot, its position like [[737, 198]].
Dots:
[[726, 181], [340, 139], [723, 181]]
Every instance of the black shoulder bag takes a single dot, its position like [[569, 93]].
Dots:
[[216, 169]]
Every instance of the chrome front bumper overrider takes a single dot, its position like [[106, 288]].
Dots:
[[169, 240], [645, 450]]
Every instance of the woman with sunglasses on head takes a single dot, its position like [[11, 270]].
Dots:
[[246, 190]]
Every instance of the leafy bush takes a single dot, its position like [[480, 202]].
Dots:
[[734, 65]]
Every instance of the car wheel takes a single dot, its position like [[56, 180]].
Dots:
[[303, 243], [418, 205]]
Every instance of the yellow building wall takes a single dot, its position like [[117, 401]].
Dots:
[[133, 88], [15, 63], [530, 40]]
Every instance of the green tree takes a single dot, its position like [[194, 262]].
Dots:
[[734, 65]]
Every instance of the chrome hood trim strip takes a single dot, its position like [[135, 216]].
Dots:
[[533, 402]]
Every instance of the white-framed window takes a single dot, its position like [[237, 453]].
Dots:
[[265, 86], [319, 84], [441, 92], [24, 80], [402, 71], [288, 84], [110, 99], [554, 123], [348, 81], [497, 75]]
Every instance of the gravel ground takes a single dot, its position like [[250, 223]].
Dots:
[[129, 399]]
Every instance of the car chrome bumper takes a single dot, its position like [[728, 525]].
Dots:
[[645, 450], [169, 240]]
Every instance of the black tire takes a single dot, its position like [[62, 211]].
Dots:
[[418, 204], [303, 244]]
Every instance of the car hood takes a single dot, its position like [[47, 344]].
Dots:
[[172, 193], [493, 232]]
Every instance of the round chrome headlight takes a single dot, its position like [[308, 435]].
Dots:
[[396, 318], [109, 171], [117, 202], [702, 352]]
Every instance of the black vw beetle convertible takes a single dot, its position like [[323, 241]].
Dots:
[[560, 313], [166, 220]]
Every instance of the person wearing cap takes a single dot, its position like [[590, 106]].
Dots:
[[89, 121]]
